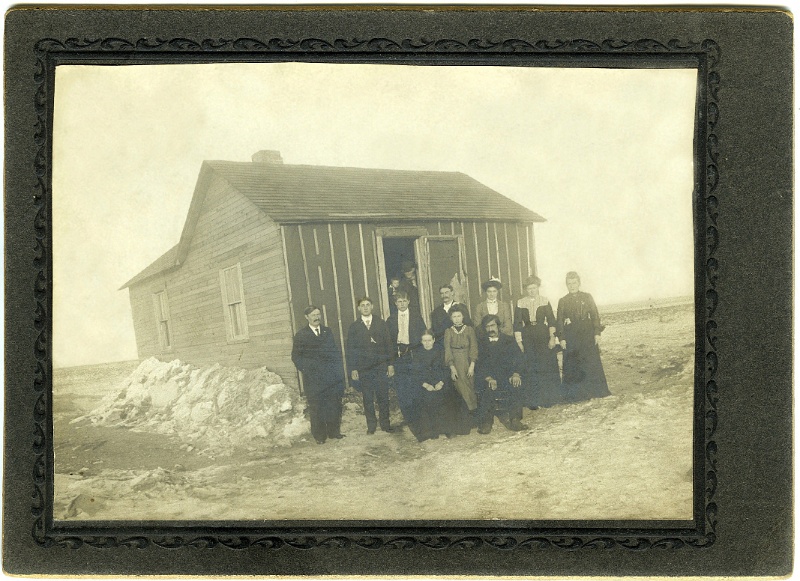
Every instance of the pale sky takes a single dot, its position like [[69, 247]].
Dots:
[[605, 155]]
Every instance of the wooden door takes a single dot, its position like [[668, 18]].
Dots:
[[441, 261]]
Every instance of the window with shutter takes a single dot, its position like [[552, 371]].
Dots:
[[161, 306], [233, 303]]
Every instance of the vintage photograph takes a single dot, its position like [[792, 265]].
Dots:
[[373, 291]]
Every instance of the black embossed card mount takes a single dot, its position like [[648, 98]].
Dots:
[[185, 188]]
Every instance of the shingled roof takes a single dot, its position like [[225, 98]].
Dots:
[[311, 193], [305, 193]]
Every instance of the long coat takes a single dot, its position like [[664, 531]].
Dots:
[[319, 360], [504, 313], [369, 349]]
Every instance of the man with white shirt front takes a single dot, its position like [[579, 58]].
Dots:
[[370, 359], [316, 356], [405, 331]]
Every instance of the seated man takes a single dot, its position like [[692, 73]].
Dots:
[[497, 378]]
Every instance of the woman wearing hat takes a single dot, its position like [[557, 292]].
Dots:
[[535, 329], [492, 305]]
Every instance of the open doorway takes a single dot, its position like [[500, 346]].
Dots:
[[398, 254]]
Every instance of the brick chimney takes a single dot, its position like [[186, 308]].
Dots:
[[267, 156]]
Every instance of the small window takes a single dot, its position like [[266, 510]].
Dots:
[[161, 305], [233, 303]]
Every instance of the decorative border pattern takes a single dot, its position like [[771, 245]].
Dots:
[[41, 510]]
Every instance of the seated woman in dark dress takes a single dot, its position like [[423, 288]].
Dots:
[[435, 391], [535, 331], [579, 328]]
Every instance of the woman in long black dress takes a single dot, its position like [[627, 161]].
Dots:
[[579, 329], [435, 391], [535, 330]]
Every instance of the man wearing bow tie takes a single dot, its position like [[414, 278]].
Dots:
[[316, 356], [497, 378], [370, 358]]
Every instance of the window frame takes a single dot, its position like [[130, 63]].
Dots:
[[161, 309], [244, 334]]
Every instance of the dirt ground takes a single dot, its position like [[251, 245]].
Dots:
[[627, 456]]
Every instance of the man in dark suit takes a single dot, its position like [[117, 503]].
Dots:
[[497, 378], [405, 331], [440, 316], [370, 358], [316, 356]]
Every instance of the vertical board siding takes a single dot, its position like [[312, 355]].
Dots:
[[349, 297], [471, 252], [516, 257], [336, 285], [371, 264], [516, 275], [324, 294], [482, 259], [296, 267], [304, 258]]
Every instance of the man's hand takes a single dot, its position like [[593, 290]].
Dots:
[[428, 386], [597, 340], [438, 386], [515, 380], [354, 373], [563, 344], [552, 343], [471, 370], [390, 371], [492, 383]]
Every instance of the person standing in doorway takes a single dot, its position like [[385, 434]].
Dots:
[[410, 285], [316, 356], [370, 358]]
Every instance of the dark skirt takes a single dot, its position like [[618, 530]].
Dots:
[[541, 383], [584, 377]]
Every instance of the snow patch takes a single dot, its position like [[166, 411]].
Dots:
[[213, 408]]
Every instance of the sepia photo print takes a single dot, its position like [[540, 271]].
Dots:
[[373, 291]]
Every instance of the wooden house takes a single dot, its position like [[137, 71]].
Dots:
[[264, 239]]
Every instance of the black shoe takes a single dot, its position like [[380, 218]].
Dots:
[[484, 431], [518, 426], [387, 429], [337, 436], [370, 431]]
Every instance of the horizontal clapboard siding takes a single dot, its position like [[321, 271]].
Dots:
[[229, 230]]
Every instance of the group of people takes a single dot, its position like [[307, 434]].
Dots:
[[454, 376]]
